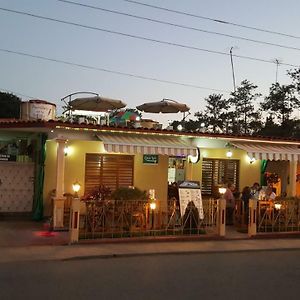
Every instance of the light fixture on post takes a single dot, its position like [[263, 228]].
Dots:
[[152, 205], [76, 188], [222, 190]]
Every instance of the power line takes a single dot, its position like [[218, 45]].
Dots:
[[110, 71], [141, 37], [178, 25], [213, 20]]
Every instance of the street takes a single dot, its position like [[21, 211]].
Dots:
[[234, 275]]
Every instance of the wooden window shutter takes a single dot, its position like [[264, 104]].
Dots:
[[112, 171], [216, 172]]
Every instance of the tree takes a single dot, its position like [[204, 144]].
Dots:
[[216, 112], [242, 102], [10, 105], [281, 102], [295, 76]]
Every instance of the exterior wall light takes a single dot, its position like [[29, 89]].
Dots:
[[194, 159], [229, 153], [252, 160], [67, 151]]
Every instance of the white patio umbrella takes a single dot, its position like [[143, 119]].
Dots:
[[163, 106]]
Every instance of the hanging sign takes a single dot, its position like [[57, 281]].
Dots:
[[151, 159], [189, 191]]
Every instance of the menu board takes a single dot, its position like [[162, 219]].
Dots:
[[189, 191]]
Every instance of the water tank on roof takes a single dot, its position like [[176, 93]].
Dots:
[[38, 110]]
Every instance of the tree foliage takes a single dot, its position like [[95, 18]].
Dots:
[[10, 105], [242, 103], [241, 113], [281, 102]]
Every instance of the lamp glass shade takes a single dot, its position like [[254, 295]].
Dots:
[[152, 205], [222, 190], [229, 153], [76, 187]]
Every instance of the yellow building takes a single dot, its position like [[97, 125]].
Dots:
[[96, 155]]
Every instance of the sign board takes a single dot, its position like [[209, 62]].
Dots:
[[8, 157], [151, 159], [189, 191]]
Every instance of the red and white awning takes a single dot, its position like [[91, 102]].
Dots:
[[147, 144], [270, 151]]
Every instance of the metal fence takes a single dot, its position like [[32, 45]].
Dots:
[[135, 218], [278, 216]]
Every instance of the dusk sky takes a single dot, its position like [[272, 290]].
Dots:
[[51, 81]]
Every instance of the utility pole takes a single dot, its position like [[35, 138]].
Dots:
[[234, 89], [232, 67]]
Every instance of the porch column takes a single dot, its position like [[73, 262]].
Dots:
[[59, 199], [221, 217], [292, 191], [252, 222], [74, 220]]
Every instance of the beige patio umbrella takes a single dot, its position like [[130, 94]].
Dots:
[[163, 106], [96, 103]]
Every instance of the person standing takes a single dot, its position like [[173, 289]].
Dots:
[[246, 196], [255, 189], [230, 203]]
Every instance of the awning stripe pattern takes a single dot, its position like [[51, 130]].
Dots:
[[270, 151], [147, 144]]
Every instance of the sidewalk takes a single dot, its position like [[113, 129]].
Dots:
[[26, 241]]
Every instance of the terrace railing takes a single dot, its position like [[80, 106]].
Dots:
[[135, 218], [278, 216]]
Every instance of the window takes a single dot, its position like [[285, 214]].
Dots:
[[216, 172], [110, 170]]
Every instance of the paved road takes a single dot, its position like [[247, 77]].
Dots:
[[250, 275]]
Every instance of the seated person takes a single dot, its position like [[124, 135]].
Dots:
[[269, 195]]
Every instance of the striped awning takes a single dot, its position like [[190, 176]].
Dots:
[[270, 151], [147, 144]]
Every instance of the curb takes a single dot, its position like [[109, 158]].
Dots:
[[128, 255]]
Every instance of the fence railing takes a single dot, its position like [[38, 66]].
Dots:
[[278, 215], [135, 218]]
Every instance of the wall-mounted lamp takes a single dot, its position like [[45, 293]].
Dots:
[[229, 153], [196, 158], [66, 150], [252, 160]]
